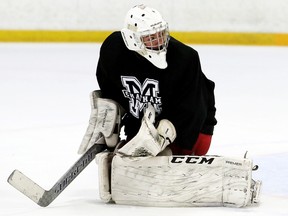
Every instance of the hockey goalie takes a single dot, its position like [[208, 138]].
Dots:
[[144, 172], [153, 87]]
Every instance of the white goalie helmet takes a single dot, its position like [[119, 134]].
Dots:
[[146, 32]]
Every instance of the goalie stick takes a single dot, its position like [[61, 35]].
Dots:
[[43, 197]]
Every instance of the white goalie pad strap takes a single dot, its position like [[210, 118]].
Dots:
[[181, 181], [104, 120], [149, 141], [103, 159]]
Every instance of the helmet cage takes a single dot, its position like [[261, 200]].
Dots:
[[155, 40], [143, 41]]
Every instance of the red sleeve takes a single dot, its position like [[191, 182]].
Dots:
[[200, 148]]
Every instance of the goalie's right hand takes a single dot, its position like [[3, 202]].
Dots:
[[104, 122], [150, 141]]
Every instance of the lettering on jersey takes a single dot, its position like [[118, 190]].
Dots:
[[140, 95], [192, 160]]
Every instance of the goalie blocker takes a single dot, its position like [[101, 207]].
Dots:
[[177, 181]]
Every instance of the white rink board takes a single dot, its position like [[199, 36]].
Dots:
[[182, 15]]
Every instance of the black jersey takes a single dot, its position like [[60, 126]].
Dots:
[[180, 93]]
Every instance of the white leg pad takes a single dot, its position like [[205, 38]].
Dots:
[[178, 181], [103, 159]]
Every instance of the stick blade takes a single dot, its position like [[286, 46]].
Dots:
[[26, 186]]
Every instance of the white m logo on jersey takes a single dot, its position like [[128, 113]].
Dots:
[[140, 95]]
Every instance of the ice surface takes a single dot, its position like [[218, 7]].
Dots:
[[44, 93]]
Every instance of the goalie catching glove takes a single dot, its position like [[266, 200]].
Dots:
[[104, 122], [149, 141]]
